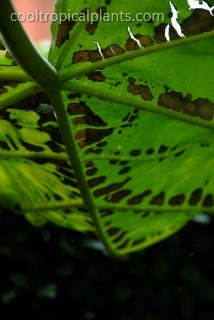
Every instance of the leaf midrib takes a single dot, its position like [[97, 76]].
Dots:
[[83, 70], [79, 204]]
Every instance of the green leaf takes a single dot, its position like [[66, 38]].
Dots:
[[36, 178], [150, 174], [148, 171]]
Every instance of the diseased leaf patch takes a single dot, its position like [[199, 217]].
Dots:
[[36, 177], [202, 108], [134, 160]]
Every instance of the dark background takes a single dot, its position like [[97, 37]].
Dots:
[[46, 272]]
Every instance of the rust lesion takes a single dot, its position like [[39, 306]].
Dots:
[[5, 84], [91, 27], [94, 55], [201, 107], [139, 90], [96, 76], [63, 31], [198, 22], [145, 40]]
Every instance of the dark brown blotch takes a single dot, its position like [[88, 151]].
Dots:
[[196, 197], [158, 200], [205, 108], [171, 100], [91, 172], [88, 116], [118, 196], [135, 153], [96, 76], [177, 200], [113, 231], [145, 41], [163, 149], [96, 181], [124, 170], [138, 242], [143, 90], [110, 188], [112, 51], [208, 201], [139, 198], [63, 32]]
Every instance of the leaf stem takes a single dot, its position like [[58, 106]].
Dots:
[[135, 103], [23, 91], [46, 76], [8, 73], [90, 67], [33, 155], [80, 204]]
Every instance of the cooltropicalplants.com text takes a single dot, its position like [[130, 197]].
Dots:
[[88, 16]]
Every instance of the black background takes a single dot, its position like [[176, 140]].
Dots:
[[46, 272]]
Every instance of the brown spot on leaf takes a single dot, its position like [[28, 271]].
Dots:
[[124, 170], [90, 164], [145, 41], [171, 100], [198, 22], [88, 116], [118, 196], [139, 198], [92, 26], [2, 89], [91, 136], [196, 197], [94, 55], [113, 231], [91, 172], [123, 245], [86, 55], [158, 200], [135, 153], [102, 144], [162, 149], [110, 188], [96, 181], [208, 201], [4, 145], [177, 200], [120, 237], [191, 109], [205, 108], [112, 51], [31, 147], [140, 89], [96, 76], [150, 151], [63, 32], [138, 242]]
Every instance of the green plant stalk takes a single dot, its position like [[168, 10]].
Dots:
[[141, 105], [13, 73], [40, 70]]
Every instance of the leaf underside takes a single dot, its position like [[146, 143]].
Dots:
[[148, 175]]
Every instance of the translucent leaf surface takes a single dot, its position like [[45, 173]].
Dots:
[[148, 173]]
